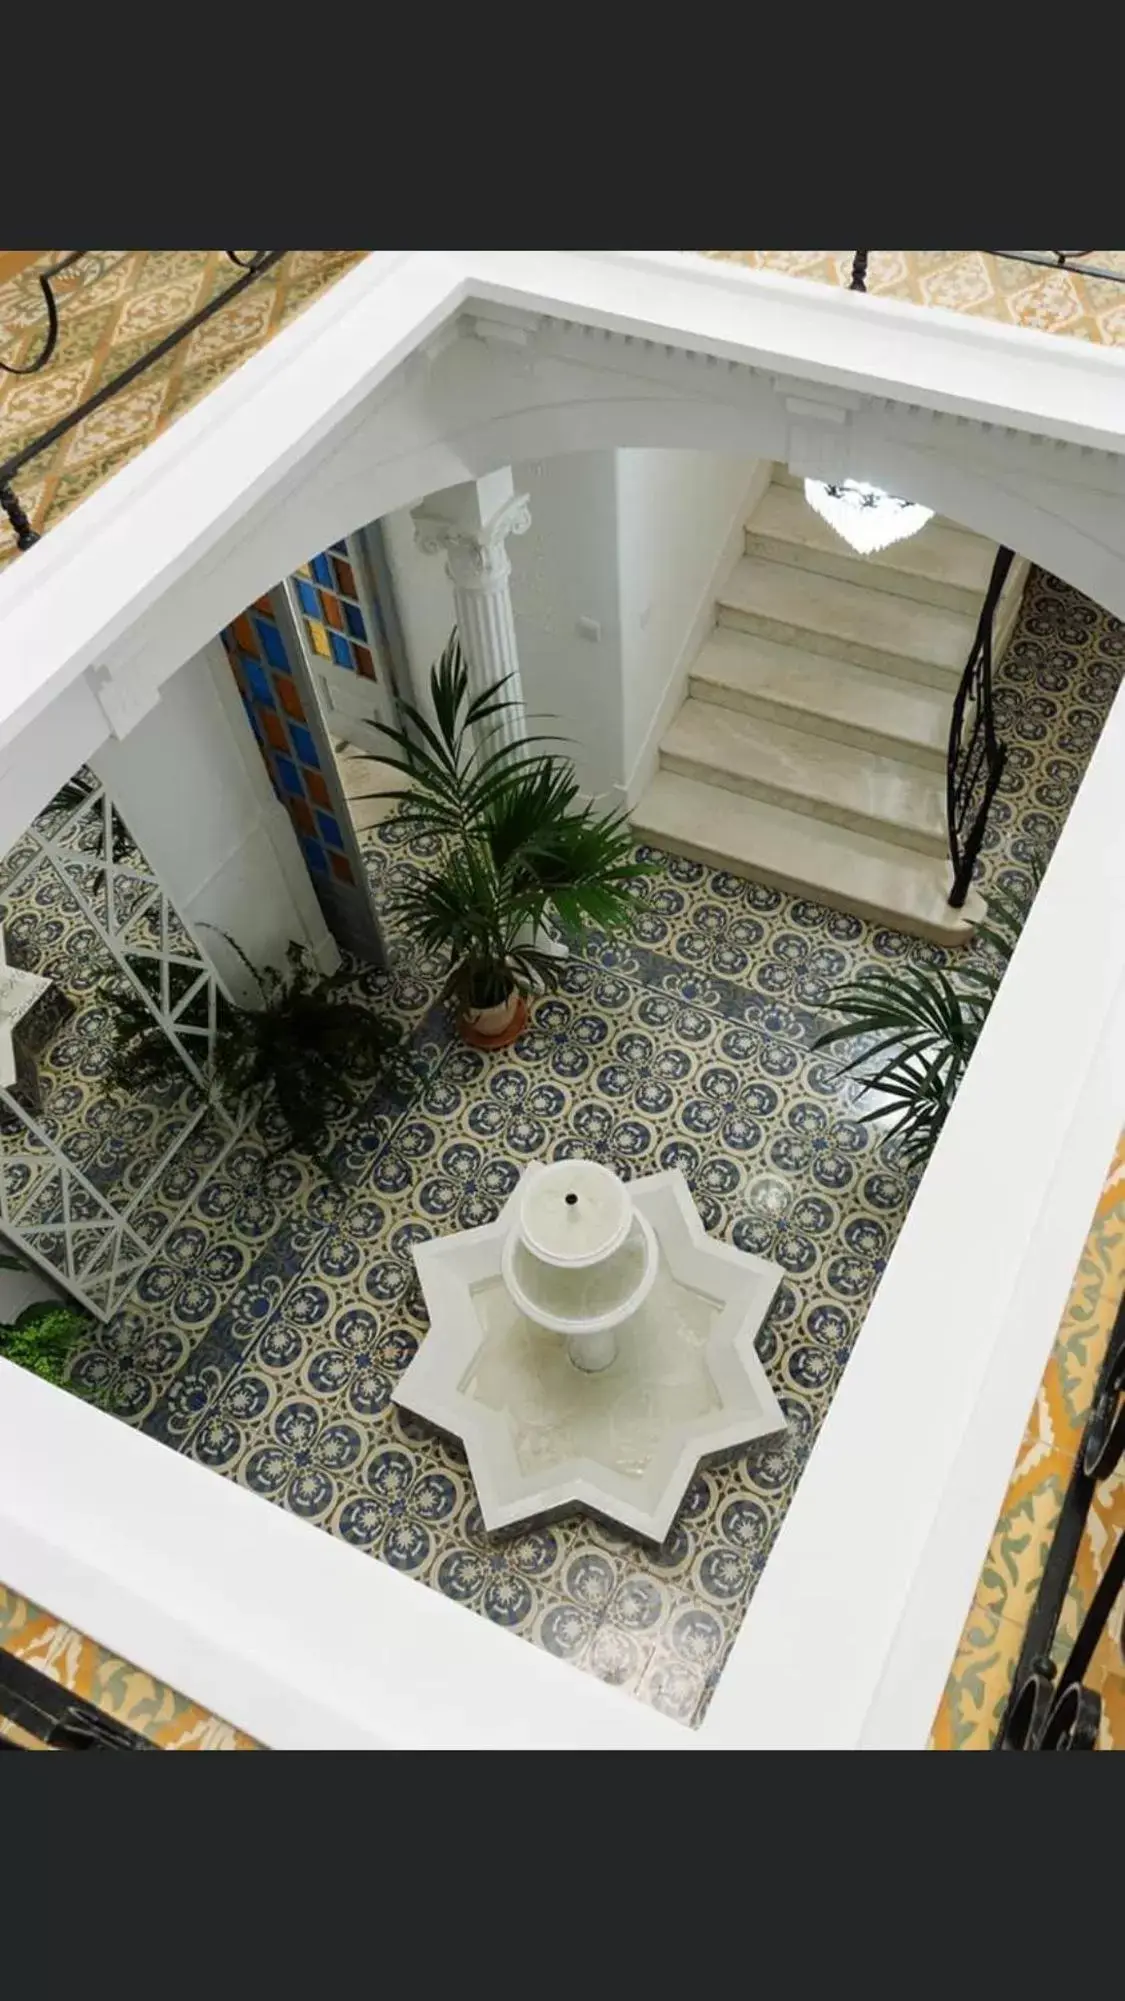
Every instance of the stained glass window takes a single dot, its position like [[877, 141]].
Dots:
[[337, 620], [272, 699]]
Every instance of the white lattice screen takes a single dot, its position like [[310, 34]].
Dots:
[[91, 1182]]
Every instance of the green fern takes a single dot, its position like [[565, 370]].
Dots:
[[43, 1334], [299, 1054]]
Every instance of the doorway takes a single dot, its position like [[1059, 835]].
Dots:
[[318, 661], [344, 605]]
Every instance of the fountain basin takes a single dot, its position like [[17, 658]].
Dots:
[[624, 1443]]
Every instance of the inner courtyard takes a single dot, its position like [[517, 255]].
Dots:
[[265, 1337]]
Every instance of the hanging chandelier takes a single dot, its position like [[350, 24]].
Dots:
[[864, 516]]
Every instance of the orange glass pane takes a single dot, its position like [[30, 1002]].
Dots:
[[363, 661], [341, 867], [333, 612], [345, 577], [289, 697], [302, 814], [263, 604], [245, 635], [272, 725], [317, 789]]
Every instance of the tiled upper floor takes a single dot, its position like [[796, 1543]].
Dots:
[[114, 305]]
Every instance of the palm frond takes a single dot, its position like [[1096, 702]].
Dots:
[[926, 1023], [514, 839]]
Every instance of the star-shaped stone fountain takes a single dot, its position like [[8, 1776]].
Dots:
[[542, 1435]]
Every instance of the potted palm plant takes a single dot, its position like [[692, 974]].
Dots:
[[513, 844], [294, 1055], [926, 1024]]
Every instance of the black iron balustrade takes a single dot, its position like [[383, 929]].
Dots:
[[975, 756], [48, 1717], [251, 268], [1051, 1710], [1055, 260], [46, 351]]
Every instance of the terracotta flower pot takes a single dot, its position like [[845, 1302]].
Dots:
[[494, 1027]]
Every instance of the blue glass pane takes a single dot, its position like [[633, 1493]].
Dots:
[[304, 745], [307, 598], [271, 644], [315, 856], [289, 775], [259, 682], [252, 713], [354, 617], [340, 548], [330, 828], [322, 573], [341, 651]]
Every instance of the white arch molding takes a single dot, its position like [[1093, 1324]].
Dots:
[[479, 407]]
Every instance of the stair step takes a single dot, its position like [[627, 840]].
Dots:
[[847, 621], [943, 566], [830, 781], [827, 698], [809, 858]]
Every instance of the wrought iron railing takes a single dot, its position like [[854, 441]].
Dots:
[[26, 535], [975, 756], [1055, 260], [42, 1715], [1051, 1708]]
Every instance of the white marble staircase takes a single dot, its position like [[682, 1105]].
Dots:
[[810, 751]]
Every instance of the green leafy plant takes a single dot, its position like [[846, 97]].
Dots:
[[42, 1335], [928, 1023], [296, 1054], [514, 843]]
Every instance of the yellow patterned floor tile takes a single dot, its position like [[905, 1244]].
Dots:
[[970, 281], [1067, 1391], [1104, 1524], [1013, 1567], [113, 307], [979, 1683], [1021, 1540], [1111, 1733], [119, 1690]]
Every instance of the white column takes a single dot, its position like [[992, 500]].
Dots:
[[470, 525]]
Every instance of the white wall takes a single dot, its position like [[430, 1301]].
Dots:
[[634, 544], [423, 595], [679, 529], [565, 569], [195, 795]]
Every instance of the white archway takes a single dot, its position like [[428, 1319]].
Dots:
[[480, 405]]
